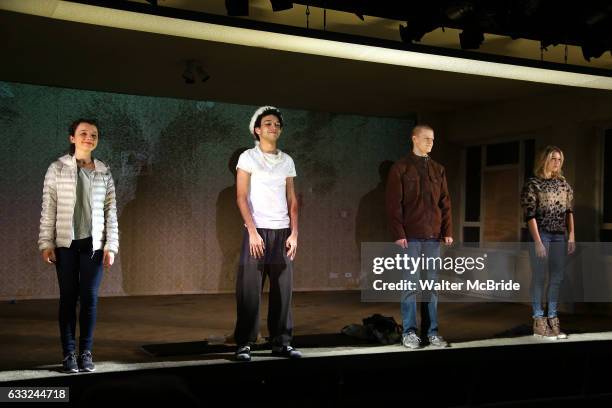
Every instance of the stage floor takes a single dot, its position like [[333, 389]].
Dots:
[[30, 346]]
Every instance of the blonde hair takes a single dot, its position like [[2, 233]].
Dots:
[[541, 162], [420, 127]]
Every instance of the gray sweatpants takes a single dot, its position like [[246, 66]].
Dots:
[[249, 284]]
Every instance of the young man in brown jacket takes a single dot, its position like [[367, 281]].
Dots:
[[419, 214]]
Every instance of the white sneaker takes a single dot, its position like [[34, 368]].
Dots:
[[243, 353], [437, 341], [411, 340]]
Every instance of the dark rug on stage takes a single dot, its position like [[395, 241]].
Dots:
[[205, 347]]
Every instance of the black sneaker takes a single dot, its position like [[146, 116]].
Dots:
[[86, 362], [286, 351], [69, 363], [243, 353]]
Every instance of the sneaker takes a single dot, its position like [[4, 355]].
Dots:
[[437, 341], [555, 327], [542, 330], [243, 353], [411, 340], [69, 364], [86, 362], [286, 351]]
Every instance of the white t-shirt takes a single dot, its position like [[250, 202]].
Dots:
[[268, 190]]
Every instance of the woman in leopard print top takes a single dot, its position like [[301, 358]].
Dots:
[[547, 201]]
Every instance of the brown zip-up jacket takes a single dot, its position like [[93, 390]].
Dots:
[[417, 200]]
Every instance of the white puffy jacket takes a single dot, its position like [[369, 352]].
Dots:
[[59, 197]]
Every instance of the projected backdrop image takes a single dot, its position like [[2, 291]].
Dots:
[[173, 162]]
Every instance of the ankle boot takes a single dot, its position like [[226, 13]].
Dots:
[[542, 330], [555, 327]]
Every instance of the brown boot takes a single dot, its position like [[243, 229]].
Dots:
[[555, 327], [542, 330]]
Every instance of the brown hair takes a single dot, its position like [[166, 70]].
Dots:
[[73, 127]]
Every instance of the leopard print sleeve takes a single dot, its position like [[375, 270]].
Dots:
[[569, 205], [529, 199]]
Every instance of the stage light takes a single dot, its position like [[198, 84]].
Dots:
[[471, 38], [593, 49], [547, 42], [414, 30], [87, 14], [237, 7], [595, 41], [280, 5], [152, 2]]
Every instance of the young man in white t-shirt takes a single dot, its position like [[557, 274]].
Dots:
[[268, 205]]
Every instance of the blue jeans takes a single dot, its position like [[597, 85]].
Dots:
[[429, 301], [79, 273], [554, 263]]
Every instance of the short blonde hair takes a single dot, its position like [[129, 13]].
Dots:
[[420, 127], [541, 162]]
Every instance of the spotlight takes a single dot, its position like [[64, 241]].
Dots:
[[237, 7], [593, 49], [471, 38], [547, 41], [595, 41], [152, 2], [280, 5], [414, 31]]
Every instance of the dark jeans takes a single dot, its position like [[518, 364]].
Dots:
[[554, 265], [430, 248], [79, 273], [249, 283]]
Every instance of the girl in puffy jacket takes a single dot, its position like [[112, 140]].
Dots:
[[79, 234]]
